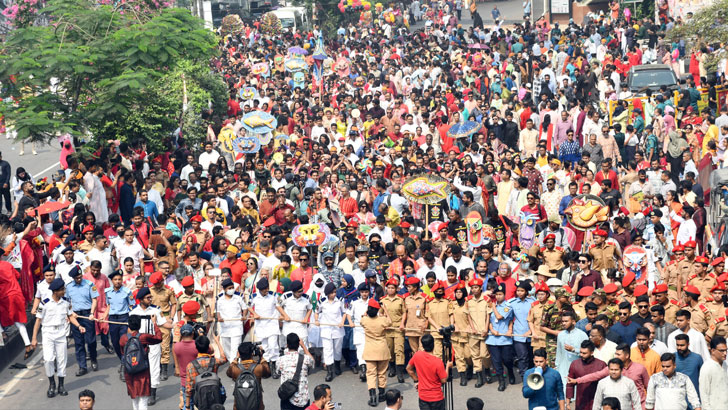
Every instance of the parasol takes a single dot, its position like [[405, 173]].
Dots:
[[394, 56], [297, 50], [49, 207], [479, 46], [426, 189], [259, 122], [463, 129]]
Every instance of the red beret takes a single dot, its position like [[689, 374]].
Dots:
[[640, 290], [393, 282], [717, 261], [550, 236], [718, 286], [692, 289], [628, 279], [187, 281], [543, 287], [690, 244], [702, 259], [412, 281], [601, 232], [723, 277], [442, 226], [438, 285], [476, 282], [661, 288], [191, 307], [353, 224], [679, 248], [156, 278], [586, 291], [373, 303], [196, 218], [405, 225], [88, 228], [610, 288]]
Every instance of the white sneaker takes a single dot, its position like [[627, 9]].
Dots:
[[35, 153], [21, 153]]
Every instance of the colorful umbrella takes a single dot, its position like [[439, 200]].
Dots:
[[297, 50], [426, 189], [259, 122], [463, 129], [49, 207], [479, 46], [246, 145]]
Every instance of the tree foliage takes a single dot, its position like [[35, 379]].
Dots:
[[97, 65], [709, 26]]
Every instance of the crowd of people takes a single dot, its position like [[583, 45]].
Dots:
[[181, 259]]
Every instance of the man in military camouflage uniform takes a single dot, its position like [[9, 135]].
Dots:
[[551, 322], [599, 297]]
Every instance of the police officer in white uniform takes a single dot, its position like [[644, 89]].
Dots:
[[295, 305], [54, 315], [150, 315], [42, 288], [331, 312], [69, 262], [230, 308], [357, 310], [263, 304]]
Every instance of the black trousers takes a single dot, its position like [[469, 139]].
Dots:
[[5, 194], [432, 405]]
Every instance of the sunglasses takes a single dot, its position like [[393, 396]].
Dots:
[[642, 306], [583, 261]]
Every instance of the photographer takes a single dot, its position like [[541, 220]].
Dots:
[[261, 370], [429, 374], [322, 398]]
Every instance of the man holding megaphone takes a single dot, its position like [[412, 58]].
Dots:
[[543, 387]]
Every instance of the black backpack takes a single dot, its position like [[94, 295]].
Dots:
[[207, 386], [135, 358], [247, 391]]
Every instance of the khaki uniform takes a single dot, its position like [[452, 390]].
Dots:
[[164, 299], [687, 269], [705, 284], [700, 318], [553, 257], [395, 339], [671, 309], [439, 310], [415, 307], [631, 299], [579, 308], [196, 296], [479, 311], [460, 315], [719, 327], [538, 339], [604, 256], [673, 279], [716, 308], [376, 353]]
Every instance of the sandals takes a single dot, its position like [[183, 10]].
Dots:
[[28, 353]]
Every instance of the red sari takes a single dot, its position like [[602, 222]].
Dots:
[[13, 307], [31, 254]]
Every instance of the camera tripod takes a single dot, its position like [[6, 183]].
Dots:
[[447, 357]]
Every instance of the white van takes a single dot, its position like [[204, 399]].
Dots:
[[293, 18]]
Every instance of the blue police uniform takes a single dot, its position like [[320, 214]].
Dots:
[[120, 304], [521, 345], [501, 347], [81, 296]]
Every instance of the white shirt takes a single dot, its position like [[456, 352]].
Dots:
[[440, 273], [462, 264], [265, 306], [62, 269], [231, 311], [134, 250], [41, 290], [296, 309], [107, 264], [331, 312], [147, 325], [606, 352], [208, 158], [697, 343], [385, 234], [54, 315], [713, 384]]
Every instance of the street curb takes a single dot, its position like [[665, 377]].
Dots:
[[14, 346]]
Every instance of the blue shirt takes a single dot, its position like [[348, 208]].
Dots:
[[549, 395], [628, 333], [81, 294], [520, 314], [581, 325], [690, 366], [120, 301], [501, 325], [150, 209], [378, 201]]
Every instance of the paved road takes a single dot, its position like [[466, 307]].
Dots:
[[25, 389], [41, 165]]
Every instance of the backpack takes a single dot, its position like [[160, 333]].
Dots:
[[135, 358], [207, 386], [247, 391]]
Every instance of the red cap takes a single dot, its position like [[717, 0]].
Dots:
[[718, 286], [550, 236], [88, 228], [412, 281], [640, 290], [542, 287], [353, 224], [717, 261], [405, 225], [393, 282], [187, 281], [442, 226], [600, 232], [196, 218], [156, 278], [373, 303], [690, 244], [679, 248], [723, 277], [661, 288], [702, 259], [628, 279], [610, 288], [691, 289], [476, 282], [585, 291], [438, 285], [191, 307]]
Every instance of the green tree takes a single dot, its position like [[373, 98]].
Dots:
[[97, 65], [708, 26]]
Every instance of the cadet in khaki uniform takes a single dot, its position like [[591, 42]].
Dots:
[[376, 352], [395, 337], [551, 254], [700, 318], [461, 319], [190, 294], [163, 297], [478, 311], [671, 306], [672, 275], [538, 337], [686, 264], [719, 327], [701, 279], [606, 255], [714, 302], [438, 315], [414, 313]]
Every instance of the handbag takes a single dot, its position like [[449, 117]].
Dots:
[[290, 387]]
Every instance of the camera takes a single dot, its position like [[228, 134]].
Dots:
[[447, 330], [257, 351]]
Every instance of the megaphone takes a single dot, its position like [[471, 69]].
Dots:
[[535, 379]]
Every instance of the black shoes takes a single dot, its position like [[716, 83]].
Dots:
[[108, 349], [329, 373], [363, 373], [479, 383], [400, 373], [463, 379], [163, 369], [94, 365], [469, 373], [52, 387], [81, 371], [488, 377], [153, 397], [373, 398], [391, 369], [61, 390], [381, 395], [274, 370], [337, 367], [501, 382]]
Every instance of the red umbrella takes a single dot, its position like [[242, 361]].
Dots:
[[49, 207], [394, 57]]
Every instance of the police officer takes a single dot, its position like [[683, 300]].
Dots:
[[500, 339], [264, 304], [295, 307], [671, 306], [357, 310], [42, 288], [461, 319], [332, 312], [395, 337], [120, 302], [55, 315], [163, 297], [606, 255], [375, 352], [151, 316], [479, 310], [64, 267], [521, 305], [230, 309], [82, 294]]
